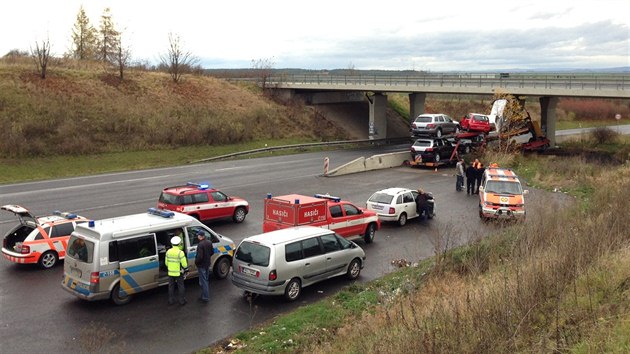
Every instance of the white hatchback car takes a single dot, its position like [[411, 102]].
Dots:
[[394, 204]]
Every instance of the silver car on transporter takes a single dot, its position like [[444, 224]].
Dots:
[[283, 262]]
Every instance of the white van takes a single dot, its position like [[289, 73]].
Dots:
[[284, 261], [118, 257]]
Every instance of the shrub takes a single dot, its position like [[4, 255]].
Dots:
[[604, 135]]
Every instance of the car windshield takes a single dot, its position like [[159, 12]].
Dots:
[[382, 198], [168, 198], [425, 143], [503, 187], [423, 120], [253, 253]]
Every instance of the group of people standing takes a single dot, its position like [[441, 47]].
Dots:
[[473, 174], [177, 265]]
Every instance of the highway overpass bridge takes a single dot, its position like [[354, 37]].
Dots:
[[547, 88]]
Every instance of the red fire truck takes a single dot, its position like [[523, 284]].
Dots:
[[322, 210]]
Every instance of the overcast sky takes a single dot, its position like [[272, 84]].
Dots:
[[440, 35]]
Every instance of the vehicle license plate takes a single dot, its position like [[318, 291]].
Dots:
[[378, 207], [250, 271]]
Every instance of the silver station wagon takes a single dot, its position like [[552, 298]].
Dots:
[[283, 262]]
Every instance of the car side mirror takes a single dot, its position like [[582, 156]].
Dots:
[[481, 188], [526, 191]]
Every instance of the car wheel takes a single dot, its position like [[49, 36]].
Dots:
[[437, 157], [239, 215], [196, 216], [221, 267], [368, 237], [402, 219], [48, 259], [354, 269], [119, 299], [438, 133], [293, 289], [483, 218]]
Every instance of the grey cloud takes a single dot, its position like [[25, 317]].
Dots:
[[482, 50]]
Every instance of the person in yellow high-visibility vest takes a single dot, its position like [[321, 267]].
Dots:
[[177, 266]]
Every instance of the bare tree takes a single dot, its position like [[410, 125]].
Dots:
[[83, 37], [121, 57], [263, 69], [177, 60], [41, 54]]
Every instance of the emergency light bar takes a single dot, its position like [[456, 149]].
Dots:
[[198, 185], [65, 214], [328, 196], [162, 213]]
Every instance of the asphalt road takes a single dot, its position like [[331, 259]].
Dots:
[[36, 315]]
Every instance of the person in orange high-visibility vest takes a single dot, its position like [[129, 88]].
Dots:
[[177, 266]]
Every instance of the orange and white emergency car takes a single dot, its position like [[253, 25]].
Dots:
[[42, 240], [501, 195], [322, 210]]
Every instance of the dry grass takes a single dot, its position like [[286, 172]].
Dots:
[[564, 276]]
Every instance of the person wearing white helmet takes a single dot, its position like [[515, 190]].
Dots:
[[177, 266]]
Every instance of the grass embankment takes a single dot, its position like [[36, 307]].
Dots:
[[85, 111], [559, 282]]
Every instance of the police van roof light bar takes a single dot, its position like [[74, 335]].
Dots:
[[327, 196], [162, 213]]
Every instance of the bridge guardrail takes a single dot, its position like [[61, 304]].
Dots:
[[561, 81]]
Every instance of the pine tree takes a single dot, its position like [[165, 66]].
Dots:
[[83, 37], [108, 38]]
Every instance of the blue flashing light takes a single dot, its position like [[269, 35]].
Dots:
[[297, 201], [328, 196], [200, 186], [268, 195], [162, 213], [91, 223]]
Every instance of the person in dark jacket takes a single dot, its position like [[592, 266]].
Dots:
[[471, 177], [203, 261], [479, 175], [422, 205]]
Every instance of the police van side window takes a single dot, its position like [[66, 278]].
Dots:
[[137, 247], [113, 251], [293, 251]]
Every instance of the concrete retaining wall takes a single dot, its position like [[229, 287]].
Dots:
[[375, 162]]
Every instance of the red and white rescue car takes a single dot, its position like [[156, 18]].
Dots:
[[345, 218], [203, 203], [501, 195], [42, 240]]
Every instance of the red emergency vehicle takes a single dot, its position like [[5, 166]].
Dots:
[[322, 210]]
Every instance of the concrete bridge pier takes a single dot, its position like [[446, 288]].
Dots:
[[416, 105], [548, 117], [378, 117]]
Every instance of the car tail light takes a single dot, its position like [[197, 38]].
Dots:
[[94, 278], [273, 275], [392, 210], [22, 248], [428, 149]]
